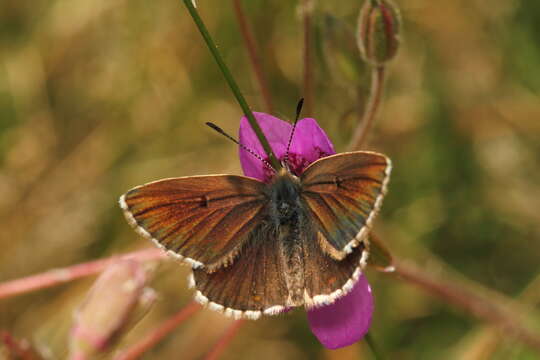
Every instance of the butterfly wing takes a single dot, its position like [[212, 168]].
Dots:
[[256, 283], [327, 279], [203, 220], [343, 193], [253, 285]]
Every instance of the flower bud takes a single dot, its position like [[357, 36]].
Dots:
[[378, 31], [110, 307]]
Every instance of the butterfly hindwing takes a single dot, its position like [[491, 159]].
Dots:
[[256, 283], [252, 285], [343, 193], [327, 279], [205, 220]]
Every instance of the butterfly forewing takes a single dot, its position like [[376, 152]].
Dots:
[[343, 193], [203, 219]]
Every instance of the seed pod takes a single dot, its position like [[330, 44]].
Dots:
[[378, 31]]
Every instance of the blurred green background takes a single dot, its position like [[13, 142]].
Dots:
[[99, 96]]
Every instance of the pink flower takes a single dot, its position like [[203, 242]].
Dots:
[[348, 319]]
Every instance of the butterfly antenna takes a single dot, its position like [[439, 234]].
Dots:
[[298, 111], [220, 130]]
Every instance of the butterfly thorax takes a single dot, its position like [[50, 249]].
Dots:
[[284, 194], [287, 215]]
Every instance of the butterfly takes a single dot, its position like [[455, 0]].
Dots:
[[260, 248]]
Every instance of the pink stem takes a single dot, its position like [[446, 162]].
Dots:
[[70, 273], [224, 341], [374, 101], [254, 56], [474, 302], [159, 333]]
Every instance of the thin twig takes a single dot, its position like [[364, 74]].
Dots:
[[254, 57], [62, 275], [368, 118], [157, 334], [461, 295], [308, 78], [488, 340], [224, 341]]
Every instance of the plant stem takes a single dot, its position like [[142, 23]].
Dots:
[[232, 84], [490, 307], [224, 341], [372, 345], [358, 140], [157, 334], [62, 275], [254, 57], [307, 9], [490, 341], [486, 304]]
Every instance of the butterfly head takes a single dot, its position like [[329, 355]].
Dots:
[[284, 194]]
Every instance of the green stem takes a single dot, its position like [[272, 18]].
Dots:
[[232, 84], [372, 345]]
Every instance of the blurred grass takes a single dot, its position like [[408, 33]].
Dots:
[[96, 97]]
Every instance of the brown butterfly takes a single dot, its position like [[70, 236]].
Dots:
[[258, 248]]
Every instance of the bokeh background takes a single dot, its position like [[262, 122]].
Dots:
[[99, 96]]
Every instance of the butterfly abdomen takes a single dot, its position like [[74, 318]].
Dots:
[[288, 214], [292, 259]]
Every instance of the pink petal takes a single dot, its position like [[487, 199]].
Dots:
[[311, 141], [277, 133], [309, 144], [347, 320]]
